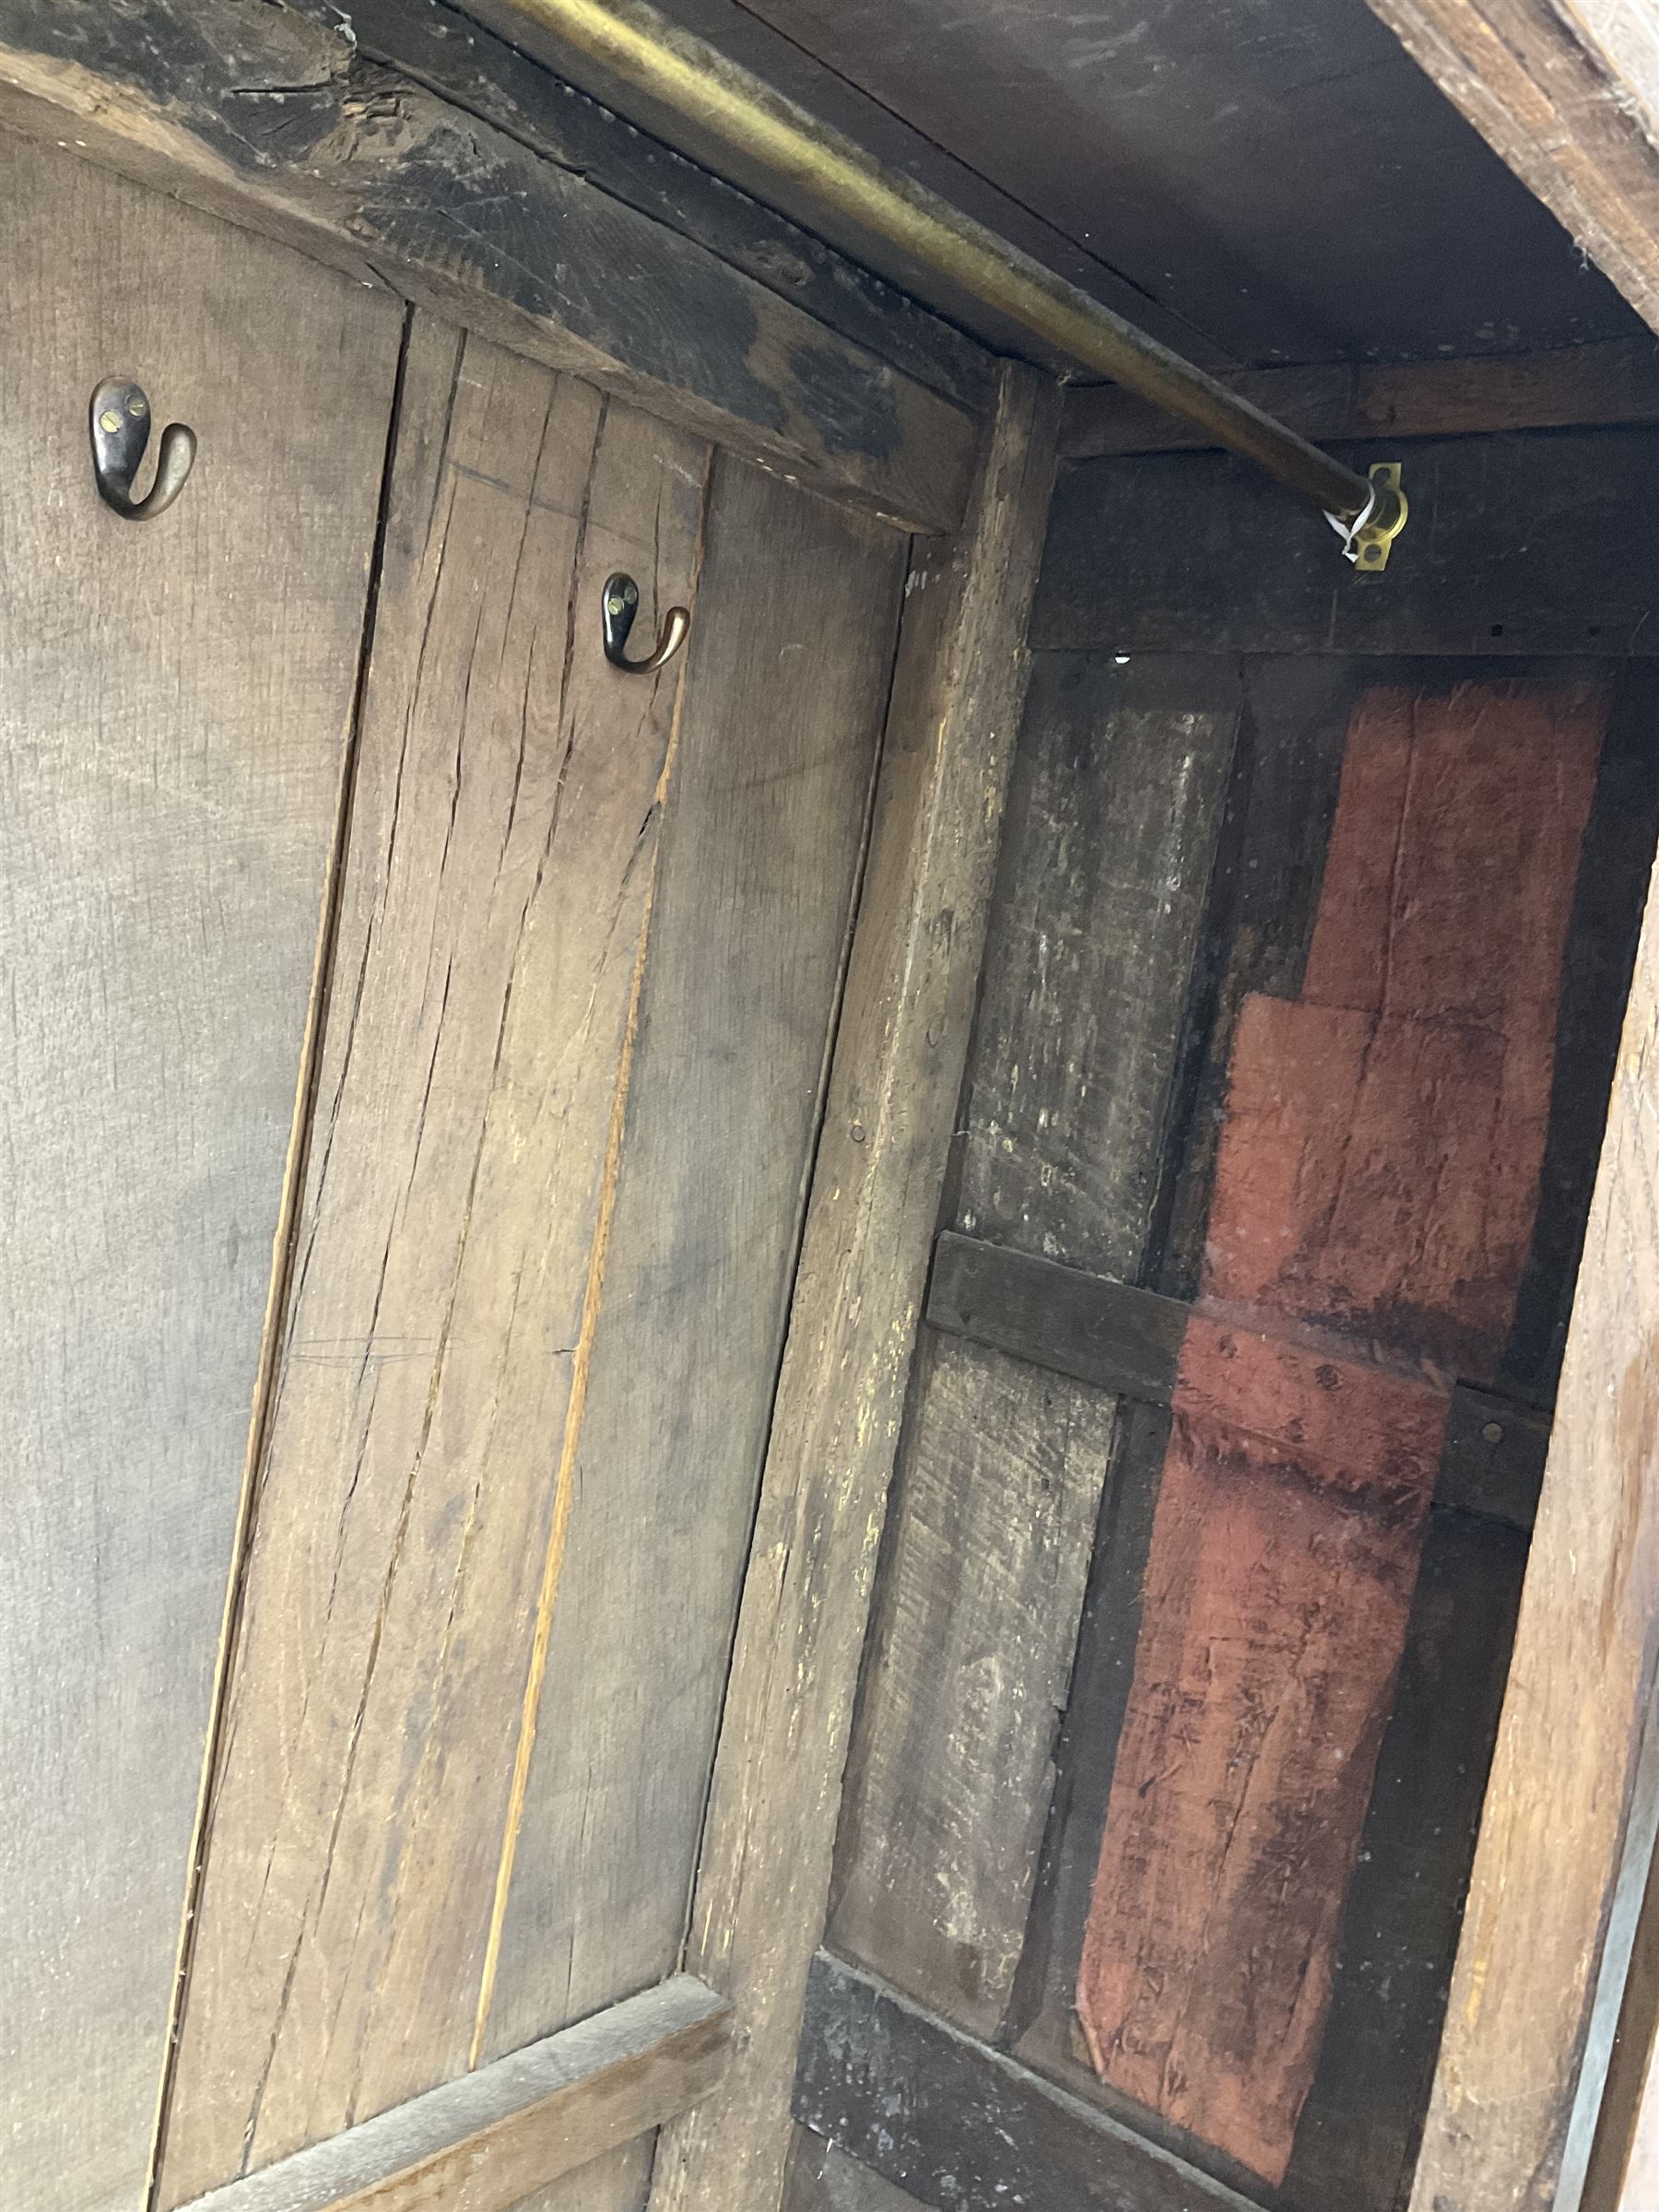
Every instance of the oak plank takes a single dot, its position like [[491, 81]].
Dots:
[[478, 2144], [1535, 545], [1607, 381], [495, 893], [989, 1534], [764, 1875], [173, 731], [778, 730], [271, 116], [1564, 1775]]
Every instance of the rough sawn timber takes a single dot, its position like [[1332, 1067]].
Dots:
[[269, 116], [481, 2143], [764, 1877]]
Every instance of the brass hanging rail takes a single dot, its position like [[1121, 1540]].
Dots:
[[683, 74]]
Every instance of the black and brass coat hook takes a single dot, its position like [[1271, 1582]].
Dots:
[[120, 428], [620, 605]]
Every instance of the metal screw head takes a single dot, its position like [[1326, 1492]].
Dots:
[[1493, 1433], [138, 406], [109, 419]]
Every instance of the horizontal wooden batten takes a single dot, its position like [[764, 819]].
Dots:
[[1613, 381], [485, 2142], [1128, 1340], [272, 117], [1535, 545], [960, 2125]]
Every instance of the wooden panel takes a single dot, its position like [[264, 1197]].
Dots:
[[1112, 818], [823, 2179], [1493, 1459], [779, 726], [1567, 95], [1552, 1836], [175, 716], [453, 54], [371, 170], [959, 2125], [946, 1797], [477, 2144], [1537, 545], [1376, 1186], [457, 1199], [1122, 1339], [1611, 380], [765, 1871]]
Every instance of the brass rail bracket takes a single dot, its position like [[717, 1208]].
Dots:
[[1368, 539]]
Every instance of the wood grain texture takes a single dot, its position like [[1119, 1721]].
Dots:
[[452, 53], [990, 1528], [1375, 1190], [764, 1875], [477, 2144], [963, 2127], [1568, 96], [174, 724], [498, 884], [1608, 380], [1515, 545], [1114, 814], [779, 729], [1556, 1812], [823, 2179], [270, 115], [1121, 1339]]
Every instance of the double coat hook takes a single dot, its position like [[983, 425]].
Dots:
[[621, 604], [120, 428]]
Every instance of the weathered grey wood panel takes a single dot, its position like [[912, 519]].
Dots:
[[174, 722], [764, 1874], [495, 892], [779, 728]]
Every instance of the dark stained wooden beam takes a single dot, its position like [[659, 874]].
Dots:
[[1541, 544], [483, 2143], [271, 117], [1611, 380], [1078, 1324], [1129, 1341], [1567, 91], [453, 54], [959, 2125]]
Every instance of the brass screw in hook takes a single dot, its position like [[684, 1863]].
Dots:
[[120, 428], [621, 604]]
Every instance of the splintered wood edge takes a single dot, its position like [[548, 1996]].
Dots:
[[485, 2142]]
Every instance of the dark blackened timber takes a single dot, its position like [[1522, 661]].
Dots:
[[1493, 1459], [457, 57], [270, 117], [1083, 1325], [1537, 545], [1609, 380], [1128, 1340], [960, 2125]]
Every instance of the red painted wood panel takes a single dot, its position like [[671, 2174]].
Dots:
[[1375, 1190]]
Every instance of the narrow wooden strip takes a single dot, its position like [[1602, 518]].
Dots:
[[271, 116], [959, 2125], [1552, 1840], [1084, 1326], [483, 2142], [1611, 380], [1493, 1459], [1540, 545], [893, 1091]]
